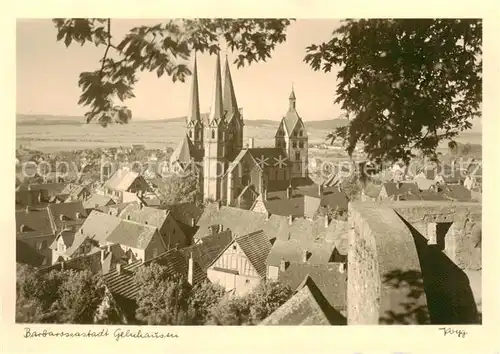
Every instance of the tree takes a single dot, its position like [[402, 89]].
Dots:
[[204, 297], [266, 298], [352, 188], [179, 189], [163, 298], [231, 311], [79, 297], [163, 48], [406, 84]]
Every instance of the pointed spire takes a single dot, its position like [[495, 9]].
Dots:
[[230, 104], [194, 100], [292, 98], [216, 110]]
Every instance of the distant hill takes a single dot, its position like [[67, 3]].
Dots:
[[27, 119]]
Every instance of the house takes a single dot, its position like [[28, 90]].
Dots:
[[241, 266], [186, 215], [96, 201], [307, 306], [208, 250], [170, 232], [29, 198], [425, 184], [138, 241], [47, 190], [217, 218], [36, 229], [92, 234], [302, 201], [65, 215], [75, 192], [331, 280], [399, 191], [125, 186]]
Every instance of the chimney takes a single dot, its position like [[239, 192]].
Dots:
[[61, 217], [268, 215], [305, 255], [193, 222], [27, 210], [320, 190], [399, 185], [118, 268], [130, 260], [190, 269], [264, 194], [250, 143], [81, 230], [78, 215], [282, 265], [22, 228], [342, 267], [289, 192], [290, 219], [219, 205], [327, 221], [62, 264], [103, 255], [128, 217]]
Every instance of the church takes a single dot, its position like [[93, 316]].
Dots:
[[229, 171]]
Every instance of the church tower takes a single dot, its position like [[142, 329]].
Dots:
[[215, 161], [194, 124], [234, 117], [291, 136]]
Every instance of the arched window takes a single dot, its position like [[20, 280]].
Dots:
[[300, 133], [213, 134], [297, 155]]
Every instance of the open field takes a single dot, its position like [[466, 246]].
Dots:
[[58, 134]]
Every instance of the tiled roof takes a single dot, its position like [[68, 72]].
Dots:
[[97, 200], [184, 152], [205, 252], [307, 306], [457, 192], [35, 223], [293, 251], [328, 278], [114, 208], [27, 255], [144, 215], [123, 283], [242, 222], [404, 189], [132, 234], [256, 246], [29, 198], [121, 180], [51, 188], [68, 211]]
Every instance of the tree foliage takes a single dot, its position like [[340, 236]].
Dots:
[[162, 298], [178, 189], [164, 48], [57, 296], [204, 297], [405, 84]]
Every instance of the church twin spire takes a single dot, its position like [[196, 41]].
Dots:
[[224, 102]]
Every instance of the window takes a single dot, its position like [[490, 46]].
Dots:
[[190, 133], [247, 281], [301, 144], [295, 133], [297, 155], [213, 134], [294, 144], [300, 133], [234, 247]]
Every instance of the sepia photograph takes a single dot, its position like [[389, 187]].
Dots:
[[249, 171]]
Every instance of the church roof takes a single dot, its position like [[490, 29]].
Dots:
[[184, 151], [292, 116], [194, 103], [229, 97], [216, 111]]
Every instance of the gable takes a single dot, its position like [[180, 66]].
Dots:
[[234, 259]]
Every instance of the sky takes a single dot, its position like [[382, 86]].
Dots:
[[47, 76]]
